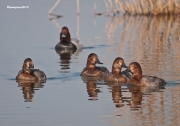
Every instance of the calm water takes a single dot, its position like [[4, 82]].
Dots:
[[65, 99]]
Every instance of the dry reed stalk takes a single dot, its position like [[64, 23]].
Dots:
[[134, 7], [177, 9], [111, 4], [145, 7], [121, 6], [150, 40], [129, 9]]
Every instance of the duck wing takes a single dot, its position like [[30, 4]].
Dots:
[[104, 70], [152, 81], [126, 73], [77, 43], [40, 74]]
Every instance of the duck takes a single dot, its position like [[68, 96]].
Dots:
[[91, 70], [116, 75], [28, 73], [66, 42], [143, 80]]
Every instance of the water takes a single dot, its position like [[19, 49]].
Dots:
[[65, 99]]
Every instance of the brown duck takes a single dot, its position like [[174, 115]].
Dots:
[[116, 74], [91, 70], [28, 73]]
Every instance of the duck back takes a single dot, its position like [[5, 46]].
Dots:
[[77, 43], [152, 81], [39, 74], [98, 71]]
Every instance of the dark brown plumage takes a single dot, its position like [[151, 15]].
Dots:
[[91, 70], [143, 80], [116, 75], [65, 40], [28, 72]]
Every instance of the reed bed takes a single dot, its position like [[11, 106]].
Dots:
[[143, 7], [154, 41]]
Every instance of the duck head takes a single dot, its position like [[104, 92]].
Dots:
[[92, 61], [118, 64], [135, 69], [27, 65], [65, 35]]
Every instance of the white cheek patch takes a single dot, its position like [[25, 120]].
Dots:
[[63, 36]]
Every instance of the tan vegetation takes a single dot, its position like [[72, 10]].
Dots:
[[144, 7], [152, 41]]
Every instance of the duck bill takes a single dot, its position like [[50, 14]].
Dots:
[[98, 62], [127, 70], [124, 65], [31, 66]]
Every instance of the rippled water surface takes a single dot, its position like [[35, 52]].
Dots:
[[65, 99]]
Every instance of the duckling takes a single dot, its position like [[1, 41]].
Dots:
[[28, 72], [143, 80], [93, 71], [66, 42], [116, 75]]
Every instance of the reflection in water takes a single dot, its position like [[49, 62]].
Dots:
[[53, 17], [65, 56], [137, 93], [91, 87], [136, 97], [116, 95], [153, 41], [137, 105], [91, 90], [28, 89]]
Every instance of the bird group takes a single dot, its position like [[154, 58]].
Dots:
[[132, 74]]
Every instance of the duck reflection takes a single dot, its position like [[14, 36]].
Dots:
[[91, 90], [137, 93], [28, 89], [136, 96], [91, 87], [65, 57], [116, 95]]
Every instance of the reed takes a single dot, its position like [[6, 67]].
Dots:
[[154, 41], [144, 7]]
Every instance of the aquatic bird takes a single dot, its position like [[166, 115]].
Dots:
[[66, 42], [91, 70], [143, 80], [116, 75], [28, 73]]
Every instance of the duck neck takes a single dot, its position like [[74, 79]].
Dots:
[[64, 41], [137, 76], [26, 71], [116, 70], [90, 66]]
